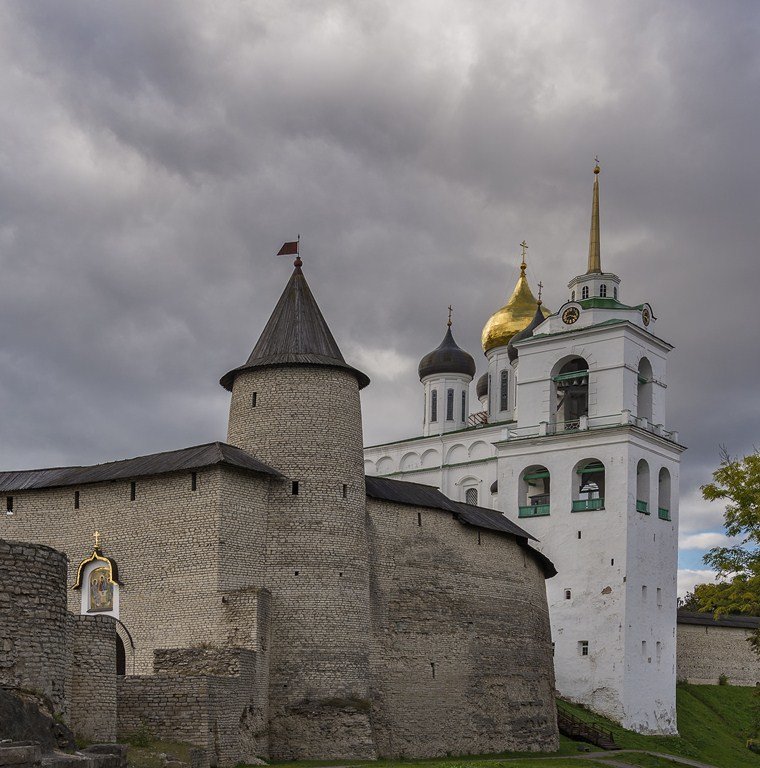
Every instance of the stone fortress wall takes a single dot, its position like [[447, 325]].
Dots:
[[285, 615], [166, 543], [307, 424], [461, 643], [709, 650], [66, 663], [211, 698]]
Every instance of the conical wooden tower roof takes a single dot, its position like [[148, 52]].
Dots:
[[296, 334]]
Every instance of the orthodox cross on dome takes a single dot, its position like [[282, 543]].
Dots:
[[524, 247], [540, 289], [96, 536], [450, 311]]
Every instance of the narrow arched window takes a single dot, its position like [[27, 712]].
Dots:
[[584, 292], [464, 406], [434, 405], [504, 391], [449, 405], [471, 496], [572, 296], [603, 290], [614, 292], [663, 495]]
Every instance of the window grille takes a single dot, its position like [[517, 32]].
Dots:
[[504, 391], [583, 647], [603, 290], [471, 496]]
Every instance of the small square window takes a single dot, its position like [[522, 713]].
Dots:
[[579, 534], [253, 399], [568, 594], [583, 647], [9, 503], [294, 488]]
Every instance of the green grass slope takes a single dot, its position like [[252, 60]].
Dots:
[[714, 722]]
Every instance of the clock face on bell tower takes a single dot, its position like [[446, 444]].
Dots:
[[570, 315]]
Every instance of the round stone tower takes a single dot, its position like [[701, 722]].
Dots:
[[295, 406]]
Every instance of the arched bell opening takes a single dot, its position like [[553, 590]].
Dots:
[[644, 390], [589, 485], [642, 487], [535, 492], [663, 495], [570, 394]]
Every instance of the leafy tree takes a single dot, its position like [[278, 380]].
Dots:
[[737, 483]]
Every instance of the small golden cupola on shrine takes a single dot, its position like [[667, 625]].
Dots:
[[515, 315]]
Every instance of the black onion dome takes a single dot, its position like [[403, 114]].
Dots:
[[525, 333], [481, 388], [447, 358]]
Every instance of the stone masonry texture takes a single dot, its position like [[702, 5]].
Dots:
[[461, 652], [66, 662], [705, 653], [318, 624], [307, 424]]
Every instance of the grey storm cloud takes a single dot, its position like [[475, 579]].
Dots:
[[153, 157]]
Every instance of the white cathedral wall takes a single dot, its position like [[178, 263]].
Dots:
[[452, 462], [613, 355], [650, 620], [592, 567], [619, 551]]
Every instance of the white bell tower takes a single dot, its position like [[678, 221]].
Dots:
[[592, 469]]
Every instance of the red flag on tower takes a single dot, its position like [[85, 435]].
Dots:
[[289, 249]]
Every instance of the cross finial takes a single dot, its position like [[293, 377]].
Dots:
[[540, 288], [596, 164], [97, 539], [450, 311], [524, 247]]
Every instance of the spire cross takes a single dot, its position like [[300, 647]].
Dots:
[[524, 247], [540, 288], [97, 539], [450, 311]]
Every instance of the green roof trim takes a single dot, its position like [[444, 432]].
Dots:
[[591, 469], [601, 302]]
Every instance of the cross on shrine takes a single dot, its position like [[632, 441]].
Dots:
[[97, 539], [540, 288], [450, 311]]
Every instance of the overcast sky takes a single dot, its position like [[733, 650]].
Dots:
[[155, 155]]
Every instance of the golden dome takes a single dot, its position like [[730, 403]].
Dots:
[[515, 315]]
